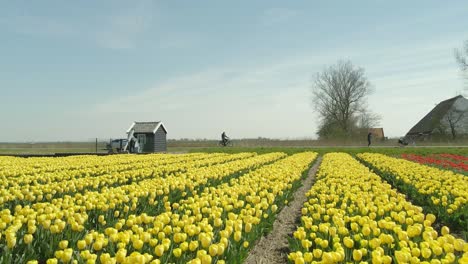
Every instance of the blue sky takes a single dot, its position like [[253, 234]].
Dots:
[[76, 70]]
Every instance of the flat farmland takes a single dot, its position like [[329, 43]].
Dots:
[[242, 145], [220, 207]]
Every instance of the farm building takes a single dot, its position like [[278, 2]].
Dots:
[[150, 135], [377, 133], [449, 118]]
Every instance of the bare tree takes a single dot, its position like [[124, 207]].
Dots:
[[339, 95], [368, 119], [453, 118], [462, 56], [452, 122]]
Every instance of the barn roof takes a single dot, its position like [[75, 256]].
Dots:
[[146, 127], [429, 122]]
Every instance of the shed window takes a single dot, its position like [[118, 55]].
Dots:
[[142, 139]]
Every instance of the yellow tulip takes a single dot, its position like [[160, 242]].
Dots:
[[248, 227], [237, 236], [426, 253], [206, 259], [299, 260], [28, 238], [121, 255], [137, 244], [97, 245], [349, 243], [366, 231], [459, 244], [387, 260], [402, 257], [317, 253], [177, 252], [324, 244], [327, 258], [63, 244], [11, 242], [193, 245], [159, 250], [416, 252], [52, 261], [445, 230], [357, 255]]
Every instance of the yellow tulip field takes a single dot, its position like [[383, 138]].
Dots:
[[353, 216], [197, 208], [202, 208]]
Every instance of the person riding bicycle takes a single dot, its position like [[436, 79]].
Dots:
[[224, 138]]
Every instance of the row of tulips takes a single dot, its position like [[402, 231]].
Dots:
[[454, 157], [57, 172], [353, 216], [441, 192], [445, 161], [46, 169], [216, 225], [31, 193], [74, 216]]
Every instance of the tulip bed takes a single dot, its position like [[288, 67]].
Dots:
[[353, 216], [453, 162], [218, 224], [32, 187], [141, 209], [441, 192]]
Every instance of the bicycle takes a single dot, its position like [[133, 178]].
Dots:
[[227, 143]]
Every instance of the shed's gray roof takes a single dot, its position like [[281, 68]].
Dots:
[[146, 127], [430, 122]]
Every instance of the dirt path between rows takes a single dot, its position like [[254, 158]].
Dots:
[[274, 248]]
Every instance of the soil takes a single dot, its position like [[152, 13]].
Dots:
[[274, 247]]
